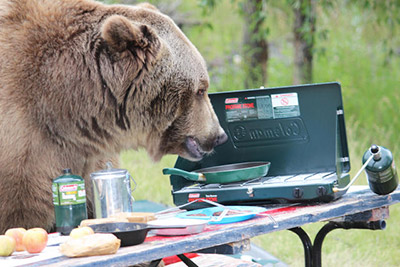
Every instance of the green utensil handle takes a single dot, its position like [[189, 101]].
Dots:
[[193, 176]]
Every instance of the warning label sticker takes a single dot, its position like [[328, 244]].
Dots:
[[285, 105], [248, 108]]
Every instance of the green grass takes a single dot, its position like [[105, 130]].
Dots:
[[355, 57]]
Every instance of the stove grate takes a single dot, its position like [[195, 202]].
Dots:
[[268, 180]]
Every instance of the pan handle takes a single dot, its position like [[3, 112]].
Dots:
[[192, 176]]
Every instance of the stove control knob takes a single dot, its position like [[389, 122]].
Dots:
[[298, 192], [250, 192], [321, 191]]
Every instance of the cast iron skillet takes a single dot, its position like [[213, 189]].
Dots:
[[224, 173], [129, 233]]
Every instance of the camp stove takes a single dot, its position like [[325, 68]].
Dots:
[[299, 129]]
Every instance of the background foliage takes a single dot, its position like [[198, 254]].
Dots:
[[357, 44]]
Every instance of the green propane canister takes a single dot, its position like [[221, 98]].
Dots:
[[381, 171], [69, 198]]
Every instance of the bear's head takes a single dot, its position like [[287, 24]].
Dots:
[[159, 81], [96, 79]]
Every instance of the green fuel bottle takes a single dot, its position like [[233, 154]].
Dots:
[[381, 170], [69, 199]]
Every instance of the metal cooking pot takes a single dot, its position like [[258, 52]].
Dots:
[[112, 191], [224, 173]]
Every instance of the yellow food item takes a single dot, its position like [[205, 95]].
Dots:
[[7, 245], [136, 217], [91, 245], [81, 231]]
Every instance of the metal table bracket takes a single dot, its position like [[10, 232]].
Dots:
[[371, 219]]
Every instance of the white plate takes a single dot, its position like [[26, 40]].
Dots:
[[192, 226]]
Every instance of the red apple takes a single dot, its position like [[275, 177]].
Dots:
[[7, 245], [17, 234], [35, 240]]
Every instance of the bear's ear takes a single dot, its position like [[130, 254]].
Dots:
[[148, 6], [119, 33]]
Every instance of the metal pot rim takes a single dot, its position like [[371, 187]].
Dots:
[[119, 172]]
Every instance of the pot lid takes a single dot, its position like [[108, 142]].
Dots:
[[109, 172]]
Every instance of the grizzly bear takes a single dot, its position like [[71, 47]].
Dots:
[[79, 82]]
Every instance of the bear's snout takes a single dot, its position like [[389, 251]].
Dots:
[[198, 150], [222, 138]]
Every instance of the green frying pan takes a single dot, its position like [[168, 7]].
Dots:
[[225, 173]]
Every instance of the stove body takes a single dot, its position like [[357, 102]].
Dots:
[[299, 129]]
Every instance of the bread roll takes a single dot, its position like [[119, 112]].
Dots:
[[91, 245], [136, 217]]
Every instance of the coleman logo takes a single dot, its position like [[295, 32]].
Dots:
[[231, 100], [283, 130], [68, 187], [280, 130]]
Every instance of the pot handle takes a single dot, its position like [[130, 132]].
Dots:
[[128, 186], [192, 176], [134, 188]]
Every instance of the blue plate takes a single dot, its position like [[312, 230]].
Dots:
[[212, 214]]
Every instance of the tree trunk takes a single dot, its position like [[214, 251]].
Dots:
[[255, 45], [304, 29]]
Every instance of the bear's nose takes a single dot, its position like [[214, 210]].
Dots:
[[222, 138]]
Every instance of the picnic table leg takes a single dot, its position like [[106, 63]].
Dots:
[[319, 239], [308, 247], [371, 225], [187, 261], [155, 263]]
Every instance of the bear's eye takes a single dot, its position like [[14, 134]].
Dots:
[[201, 91]]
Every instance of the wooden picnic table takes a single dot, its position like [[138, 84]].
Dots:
[[358, 208]]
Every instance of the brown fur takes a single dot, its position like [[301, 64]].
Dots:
[[79, 82]]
